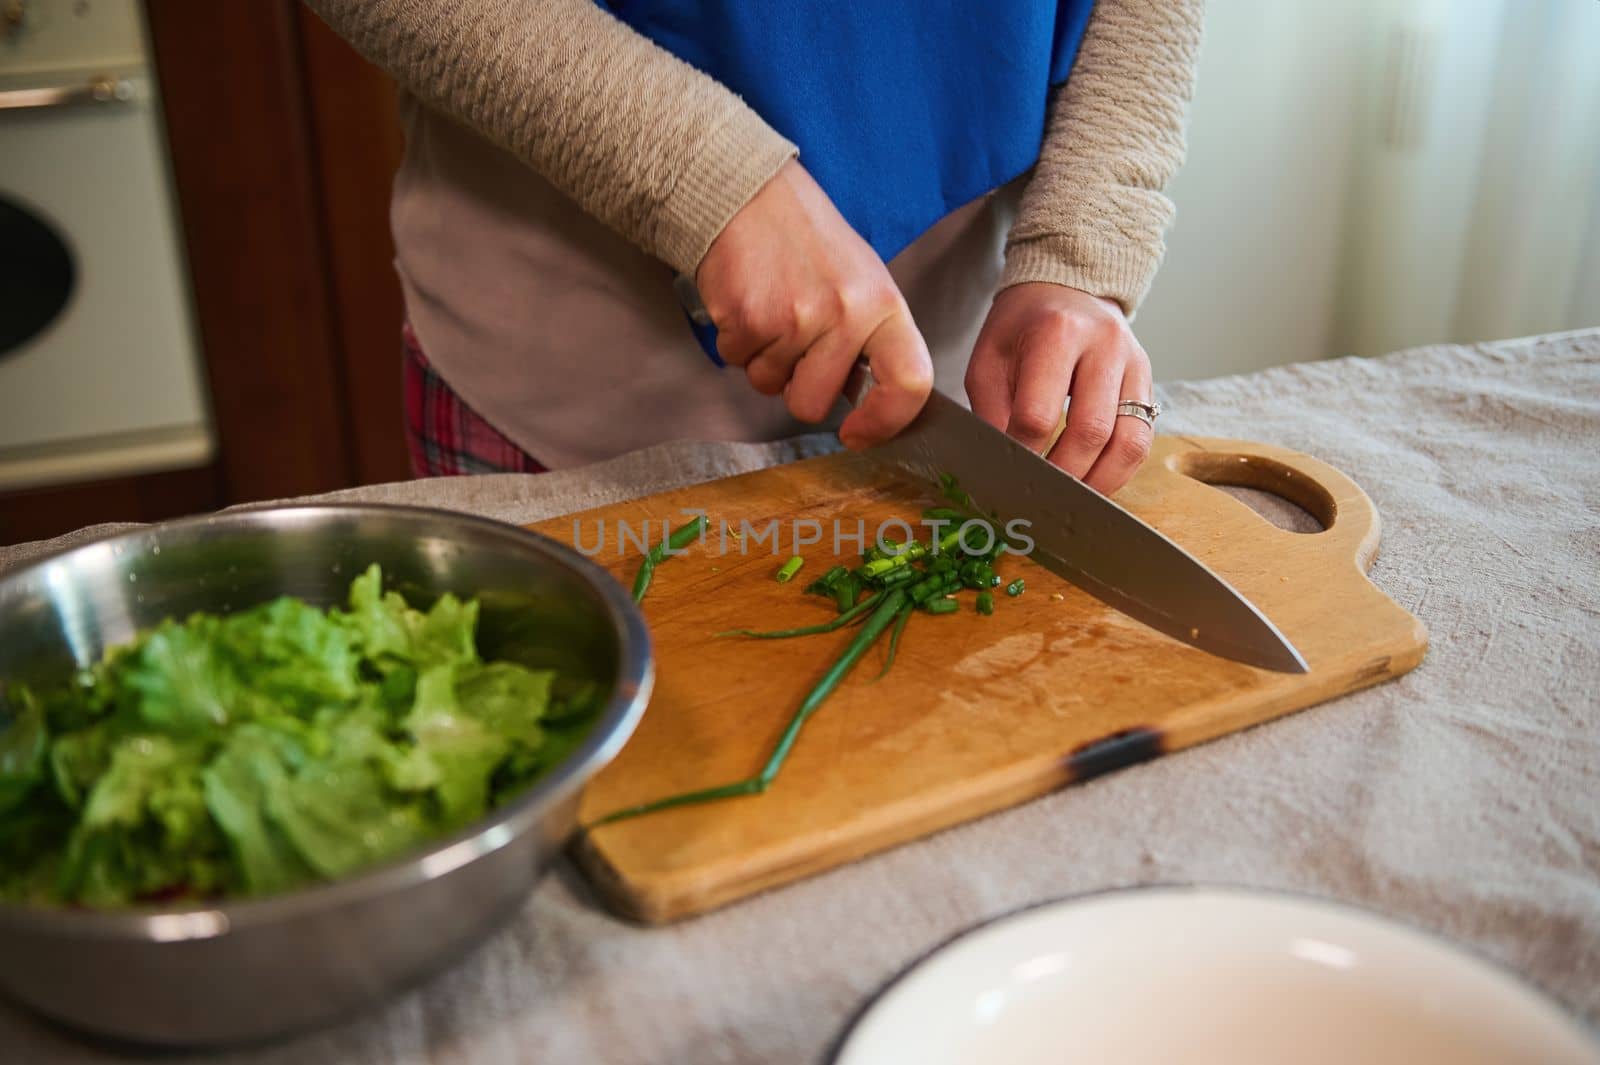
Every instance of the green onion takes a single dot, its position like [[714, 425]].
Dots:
[[823, 585], [952, 491], [985, 603], [894, 638], [888, 610], [941, 606], [787, 571], [810, 630], [846, 592], [641, 580], [933, 587], [1014, 589], [907, 554], [681, 537], [900, 576]]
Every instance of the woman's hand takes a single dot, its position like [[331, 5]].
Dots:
[[797, 295], [1043, 342]]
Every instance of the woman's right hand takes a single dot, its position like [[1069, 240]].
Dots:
[[797, 295]]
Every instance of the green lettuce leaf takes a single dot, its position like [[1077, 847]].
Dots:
[[179, 682], [256, 761], [463, 750], [378, 624], [144, 828], [341, 816], [389, 631], [292, 655], [508, 699], [23, 746], [77, 760]]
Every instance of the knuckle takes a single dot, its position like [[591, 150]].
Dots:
[[1033, 424], [784, 320], [1092, 431], [836, 304], [1103, 328], [760, 322], [868, 298], [1133, 448], [882, 295], [850, 302], [1050, 329], [810, 314], [729, 317]]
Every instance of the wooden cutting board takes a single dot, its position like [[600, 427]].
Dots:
[[978, 713]]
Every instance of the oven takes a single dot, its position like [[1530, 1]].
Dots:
[[100, 373]]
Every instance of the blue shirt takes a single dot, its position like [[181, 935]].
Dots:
[[903, 110]]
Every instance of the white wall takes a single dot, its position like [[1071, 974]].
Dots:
[[1252, 266], [1424, 130], [1534, 252], [1376, 174]]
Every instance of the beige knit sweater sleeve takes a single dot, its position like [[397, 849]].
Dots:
[[641, 140], [1093, 214], [665, 155]]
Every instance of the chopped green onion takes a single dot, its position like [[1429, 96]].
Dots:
[[932, 587], [1014, 589], [907, 554], [888, 610], [823, 585], [681, 537], [787, 571], [941, 606], [985, 603], [894, 638], [900, 576], [846, 592], [810, 630], [952, 491]]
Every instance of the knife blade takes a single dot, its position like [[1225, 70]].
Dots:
[[1081, 535]]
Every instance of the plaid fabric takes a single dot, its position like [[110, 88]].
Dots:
[[446, 437]]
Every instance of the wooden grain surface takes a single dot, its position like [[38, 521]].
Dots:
[[978, 713]]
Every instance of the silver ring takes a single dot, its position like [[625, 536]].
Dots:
[[1145, 412]]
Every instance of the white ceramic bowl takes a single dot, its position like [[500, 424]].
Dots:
[[1196, 976]]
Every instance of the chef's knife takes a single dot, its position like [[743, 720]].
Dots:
[[1082, 535]]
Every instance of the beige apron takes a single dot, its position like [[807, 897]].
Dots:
[[569, 339]]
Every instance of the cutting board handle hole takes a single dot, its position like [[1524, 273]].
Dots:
[[1280, 494]]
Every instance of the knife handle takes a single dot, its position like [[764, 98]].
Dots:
[[859, 383], [700, 323]]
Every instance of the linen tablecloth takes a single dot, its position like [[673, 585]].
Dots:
[[1463, 798]]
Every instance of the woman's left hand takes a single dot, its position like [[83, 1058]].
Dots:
[[1044, 342]]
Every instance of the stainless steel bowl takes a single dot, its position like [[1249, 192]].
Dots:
[[252, 969]]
